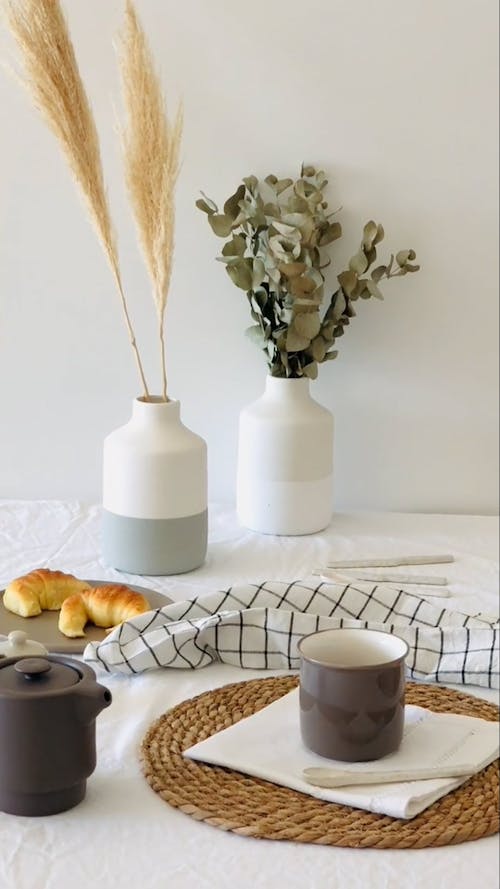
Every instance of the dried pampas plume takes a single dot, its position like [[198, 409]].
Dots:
[[54, 82], [151, 148]]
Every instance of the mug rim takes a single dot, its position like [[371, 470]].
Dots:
[[351, 667]]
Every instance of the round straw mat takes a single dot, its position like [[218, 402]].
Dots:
[[250, 806]]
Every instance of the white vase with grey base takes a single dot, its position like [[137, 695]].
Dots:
[[154, 493], [285, 461]]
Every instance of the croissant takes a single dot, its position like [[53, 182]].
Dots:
[[41, 590], [104, 606]]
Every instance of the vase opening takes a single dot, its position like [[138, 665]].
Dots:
[[153, 399]]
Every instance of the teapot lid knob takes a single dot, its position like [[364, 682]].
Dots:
[[33, 667], [17, 637]]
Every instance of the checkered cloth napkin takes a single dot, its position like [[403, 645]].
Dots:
[[259, 626]]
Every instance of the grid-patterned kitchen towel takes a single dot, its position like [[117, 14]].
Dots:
[[259, 626]]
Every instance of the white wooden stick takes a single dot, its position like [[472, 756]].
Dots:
[[330, 576], [434, 592], [332, 778], [430, 579], [390, 563]]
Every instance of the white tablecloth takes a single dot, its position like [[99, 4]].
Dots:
[[123, 835]]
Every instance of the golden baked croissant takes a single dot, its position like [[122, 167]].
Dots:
[[41, 590], [104, 606]]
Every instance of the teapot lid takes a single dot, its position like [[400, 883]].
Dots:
[[35, 676], [17, 644]]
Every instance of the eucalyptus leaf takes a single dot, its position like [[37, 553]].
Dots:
[[254, 333], [283, 355], [259, 298], [259, 273], [251, 183], [309, 189], [221, 225], [318, 348], [282, 185], [300, 188], [327, 329], [213, 206], [204, 206], [307, 325], [235, 247], [369, 234], [231, 207], [295, 342], [348, 281], [292, 269], [290, 232], [296, 219], [297, 204], [241, 274], [300, 286], [371, 256], [358, 263], [274, 276], [270, 348], [280, 340], [286, 315], [307, 303], [378, 273], [332, 233], [373, 289], [403, 256], [272, 210], [311, 370], [278, 249]]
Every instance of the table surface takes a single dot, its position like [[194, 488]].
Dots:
[[125, 835]]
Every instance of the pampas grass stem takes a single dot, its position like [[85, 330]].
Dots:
[[54, 82], [151, 149]]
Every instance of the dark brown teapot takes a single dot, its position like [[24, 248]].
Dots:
[[48, 708]]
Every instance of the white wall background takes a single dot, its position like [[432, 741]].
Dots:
[[397, 100]]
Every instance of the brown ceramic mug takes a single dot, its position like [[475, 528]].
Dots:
[[352, 693]]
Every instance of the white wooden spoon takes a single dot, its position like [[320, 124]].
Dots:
[[325, 777]]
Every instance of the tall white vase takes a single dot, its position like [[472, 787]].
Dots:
[[154, 493], [285, 461]]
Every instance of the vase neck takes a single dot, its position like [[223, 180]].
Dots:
[[156, 411], [287, 388]]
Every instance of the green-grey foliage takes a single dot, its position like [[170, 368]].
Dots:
[[277, 234]]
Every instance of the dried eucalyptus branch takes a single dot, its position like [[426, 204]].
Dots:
[[277, 232], [151, 158], [54, 82]]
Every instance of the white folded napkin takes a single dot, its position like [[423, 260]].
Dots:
[[268, 745]]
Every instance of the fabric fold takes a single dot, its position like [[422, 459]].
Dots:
[[258, 626]]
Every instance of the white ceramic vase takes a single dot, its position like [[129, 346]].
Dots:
[[285, 461], [154, 493]]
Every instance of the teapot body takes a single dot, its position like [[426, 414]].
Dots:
[[47, 734]]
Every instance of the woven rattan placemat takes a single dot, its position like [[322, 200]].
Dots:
[[250, 806]]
